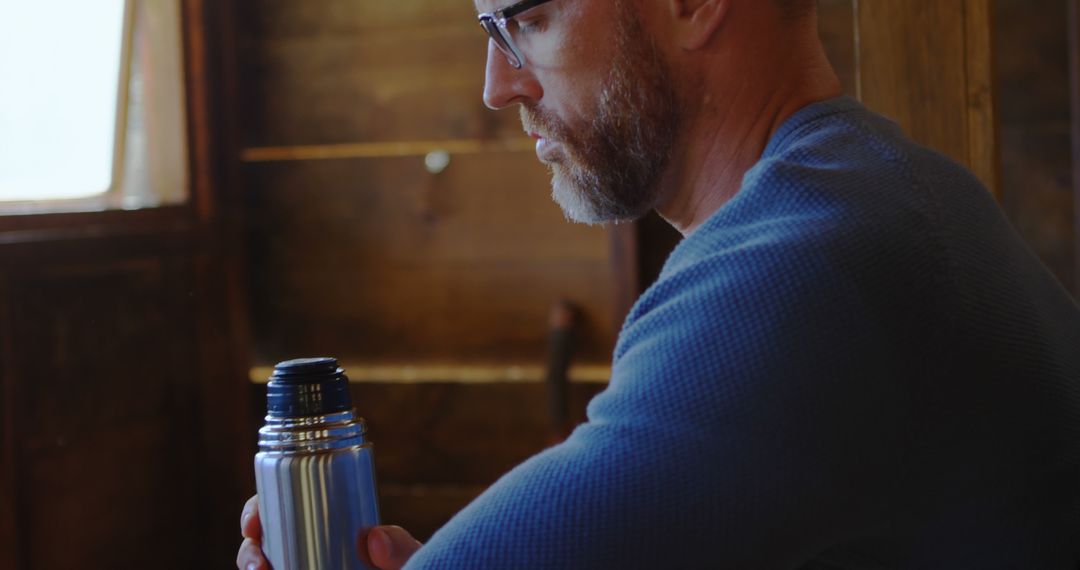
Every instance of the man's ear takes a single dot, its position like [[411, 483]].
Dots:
[[698, 20]]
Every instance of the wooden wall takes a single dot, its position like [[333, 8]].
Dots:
[[357, 251], [370, 256], [98, 390], [927, 65], [1032, 55], [127, 420], [123, 407]]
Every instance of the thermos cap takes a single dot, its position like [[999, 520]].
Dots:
[[307, 387]]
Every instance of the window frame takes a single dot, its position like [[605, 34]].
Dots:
[[109, 204]]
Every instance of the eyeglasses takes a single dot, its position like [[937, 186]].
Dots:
[[496, 25]]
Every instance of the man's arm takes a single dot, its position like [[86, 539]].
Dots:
[[754, 418]]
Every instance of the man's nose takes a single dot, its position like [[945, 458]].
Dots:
[[504, 85]]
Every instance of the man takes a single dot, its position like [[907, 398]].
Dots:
[[851, 361]]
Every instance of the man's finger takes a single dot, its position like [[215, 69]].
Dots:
[[251, 557], [250, 526], [390, 547]]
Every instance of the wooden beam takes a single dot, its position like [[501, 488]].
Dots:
[[10, 508], [454, 373], [1074, 98], [383, 149], [928, 65]]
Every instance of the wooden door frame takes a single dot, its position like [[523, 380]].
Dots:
[[1074, 100]]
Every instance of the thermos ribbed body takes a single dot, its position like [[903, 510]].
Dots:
[[313, 507], [315, 470]]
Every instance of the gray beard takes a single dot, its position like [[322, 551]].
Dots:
[[610, 169]]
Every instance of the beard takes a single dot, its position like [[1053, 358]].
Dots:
[[610, 168]]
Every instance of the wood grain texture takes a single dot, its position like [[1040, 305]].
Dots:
[[458, 434], [1073, 32], [1032, 62], [337, 71], [926, 64], [10, 505], [836, 27], [382, 261], [983, 154], [104, 368], [101, 495], [123, 447]]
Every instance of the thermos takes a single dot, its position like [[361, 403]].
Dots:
[[314, 470]]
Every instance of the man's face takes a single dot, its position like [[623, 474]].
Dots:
[[598, 99]]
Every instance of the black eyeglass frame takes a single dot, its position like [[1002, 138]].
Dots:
[[495, 24]]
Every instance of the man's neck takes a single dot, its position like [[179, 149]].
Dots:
[[726, 138]]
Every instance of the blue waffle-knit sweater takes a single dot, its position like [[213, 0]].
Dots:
[[854, 363]]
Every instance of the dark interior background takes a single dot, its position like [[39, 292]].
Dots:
[[133, 344]]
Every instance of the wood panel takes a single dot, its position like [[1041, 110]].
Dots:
[[836, 27], [10, 535], [1073, 32], [116, 478], [440, 444], [381, 260], [343, 71], [119, 427], [104, 433], [1033, 80], [462, 434], [927, 64]]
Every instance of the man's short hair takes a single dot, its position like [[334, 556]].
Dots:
[[796, 8]]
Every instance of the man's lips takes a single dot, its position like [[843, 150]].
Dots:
[[545, 147]]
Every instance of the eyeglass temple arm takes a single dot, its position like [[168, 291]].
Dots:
[[515, 9]]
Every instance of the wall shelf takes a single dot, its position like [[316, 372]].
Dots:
[[390, 149], [453, 373]]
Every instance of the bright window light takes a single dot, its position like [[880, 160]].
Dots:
[[59, 82]]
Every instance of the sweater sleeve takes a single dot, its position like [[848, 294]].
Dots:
[[754, 417]]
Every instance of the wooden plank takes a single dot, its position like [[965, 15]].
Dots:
[[982, 137], [337, 71], [384, 149], [1074, 99], [119, 497], [458, 434], [105, 321], [11, 506], [200, 140], [836, 26], [382, 261], [925, 63], [1032, 69], [104, 365], [625, 269], [226, 445], [476, 373]]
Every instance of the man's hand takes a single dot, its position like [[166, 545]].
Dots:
[[384, 547]]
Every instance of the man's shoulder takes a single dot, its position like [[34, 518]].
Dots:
[[817, 250], [840, 144]]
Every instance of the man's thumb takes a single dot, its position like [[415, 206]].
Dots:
[[390, 547]]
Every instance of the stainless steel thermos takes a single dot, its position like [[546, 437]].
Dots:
[[314, 470]]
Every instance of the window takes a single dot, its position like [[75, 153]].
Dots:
[[91, 113]]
